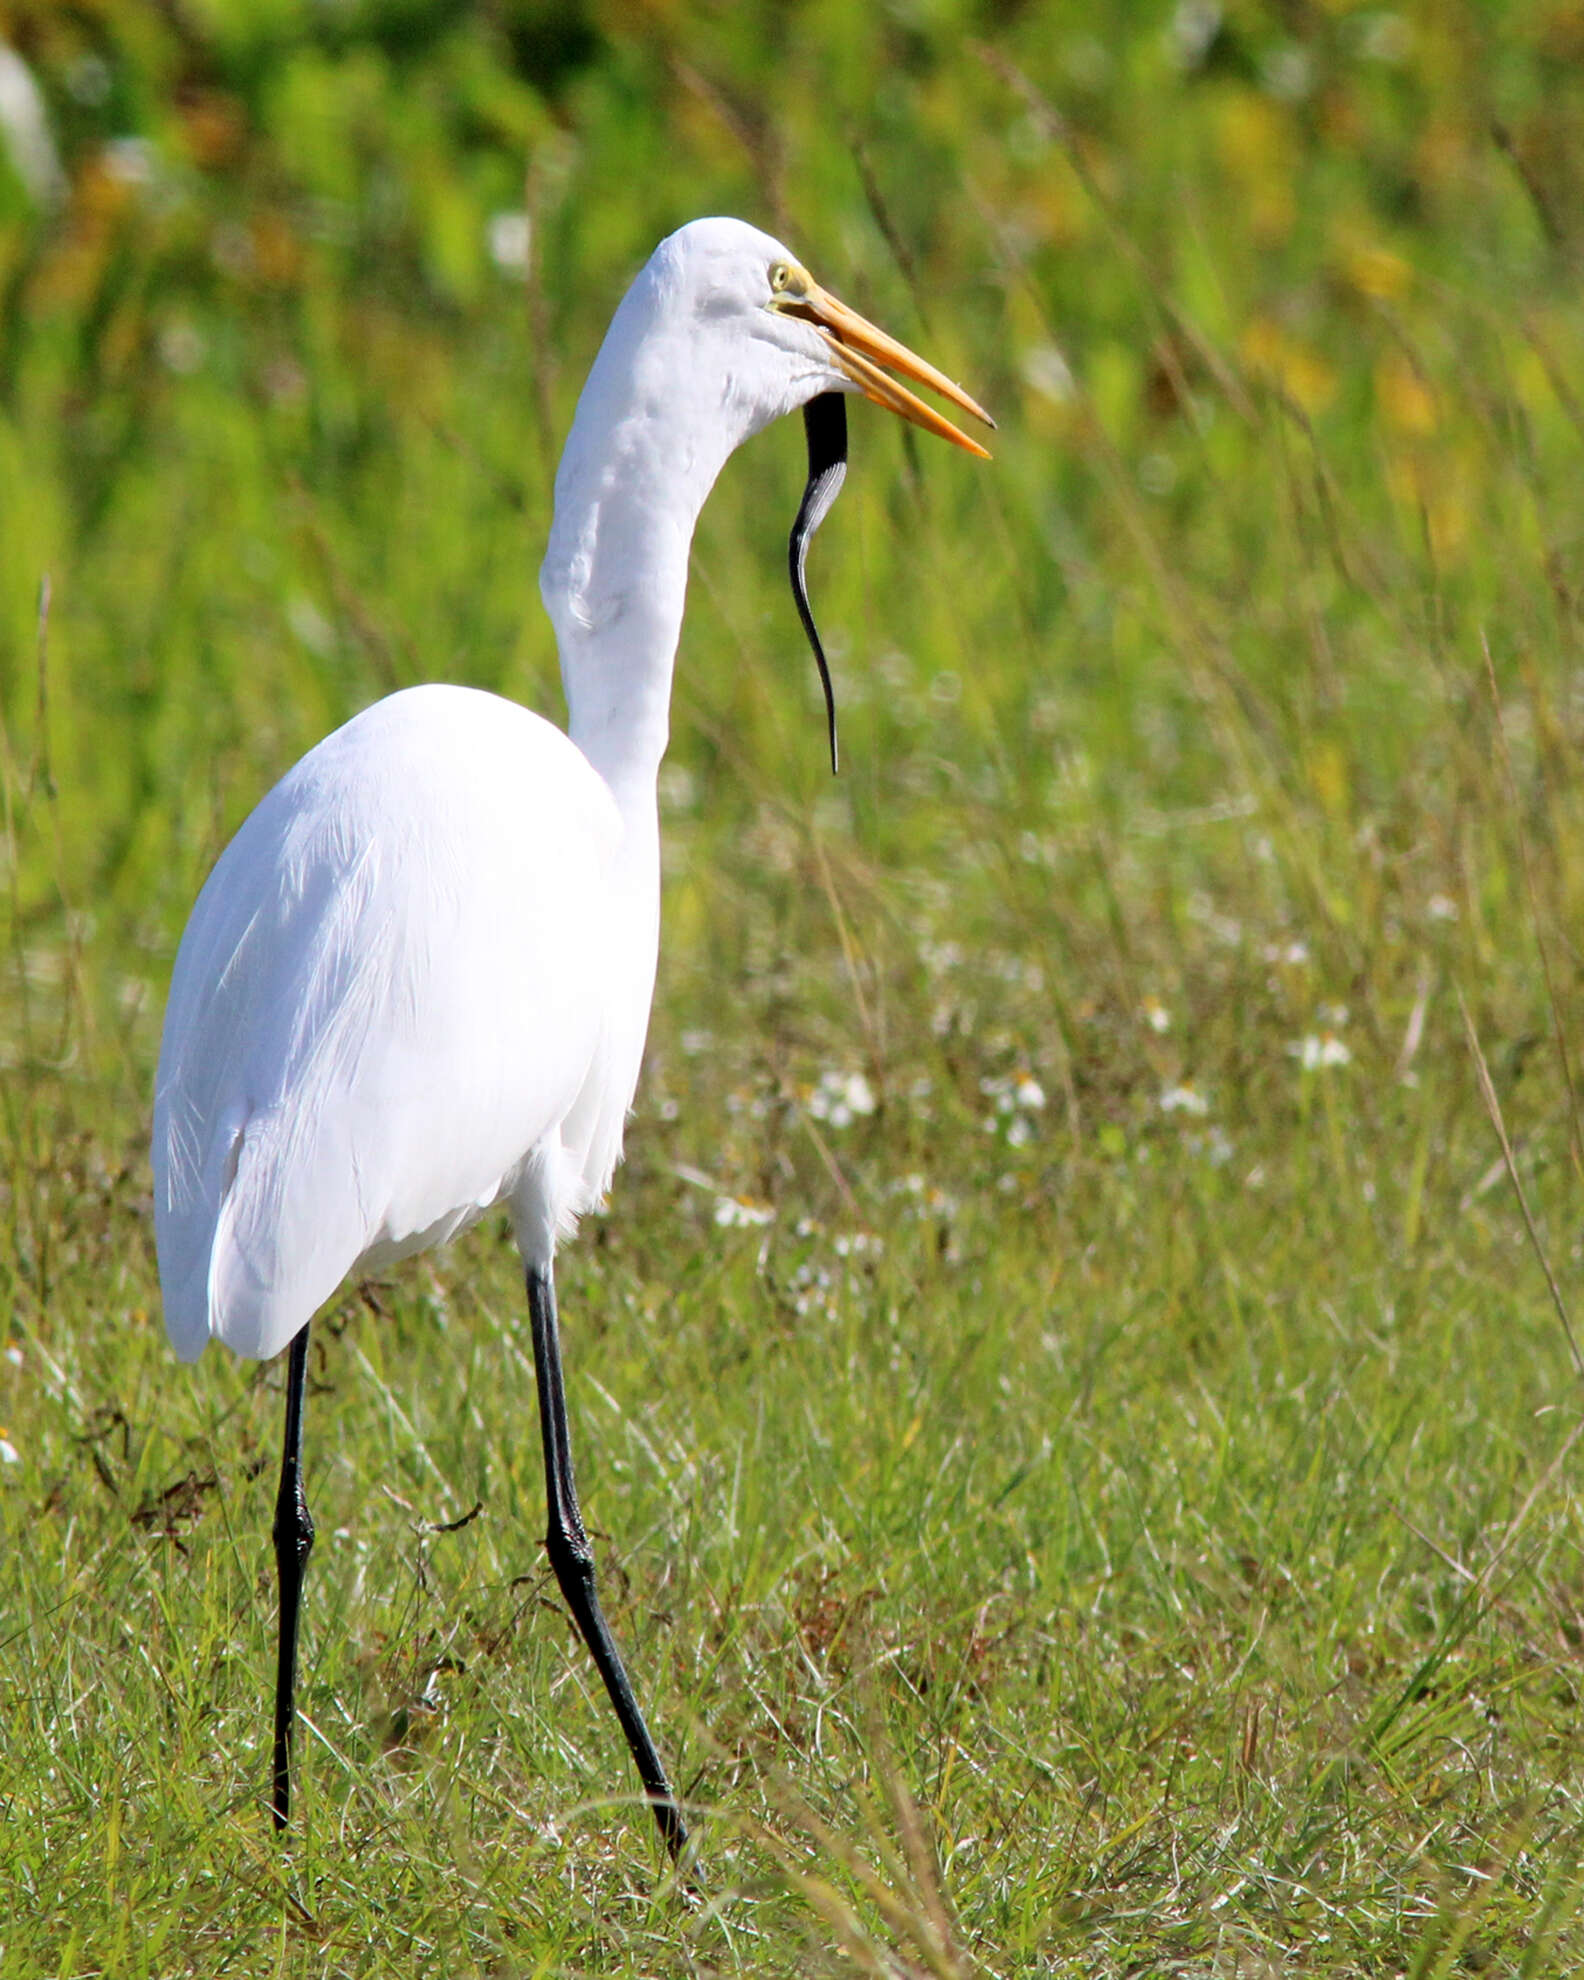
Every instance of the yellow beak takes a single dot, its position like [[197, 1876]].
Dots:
[[860, 349]]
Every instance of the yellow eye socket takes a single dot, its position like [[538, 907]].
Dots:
[[780, 277]]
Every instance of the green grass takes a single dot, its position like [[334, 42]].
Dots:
[[1133, 1533]]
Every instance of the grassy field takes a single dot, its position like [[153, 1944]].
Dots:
[[1073, 1393]]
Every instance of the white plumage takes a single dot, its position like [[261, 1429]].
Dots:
[[418, 980], [370, 1039]]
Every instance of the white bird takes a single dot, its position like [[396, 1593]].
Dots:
[[418, 980]]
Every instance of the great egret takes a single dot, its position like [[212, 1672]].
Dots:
[[418, 980]]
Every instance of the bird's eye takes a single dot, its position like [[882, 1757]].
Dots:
[[780, 277]]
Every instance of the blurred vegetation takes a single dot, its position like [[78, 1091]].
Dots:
[[1142, 1433], [323, 279]]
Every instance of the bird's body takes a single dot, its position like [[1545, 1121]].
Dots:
[[415, 985], [417, 982]]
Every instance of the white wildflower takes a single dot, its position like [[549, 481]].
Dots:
[[738, 1213], [1317, 1052], [510, 237], [840, 1098]]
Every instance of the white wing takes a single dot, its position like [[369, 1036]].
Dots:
[[394, 987]]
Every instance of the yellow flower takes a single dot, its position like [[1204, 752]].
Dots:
[[1271, 353], [1403, 396]]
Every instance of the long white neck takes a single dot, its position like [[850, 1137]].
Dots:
[[614, 581], [640, 460]]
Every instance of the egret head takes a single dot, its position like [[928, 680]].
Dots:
[[767, 338], [773, 338], [723, 331]]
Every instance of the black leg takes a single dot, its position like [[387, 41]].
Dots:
[[294, 1538], [573, 1559]]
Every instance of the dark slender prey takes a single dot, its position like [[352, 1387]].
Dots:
[[573, 1559], [825, 423], [294, 1538]]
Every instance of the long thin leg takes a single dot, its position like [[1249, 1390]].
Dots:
[[573, 1559], [294, 1538]]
